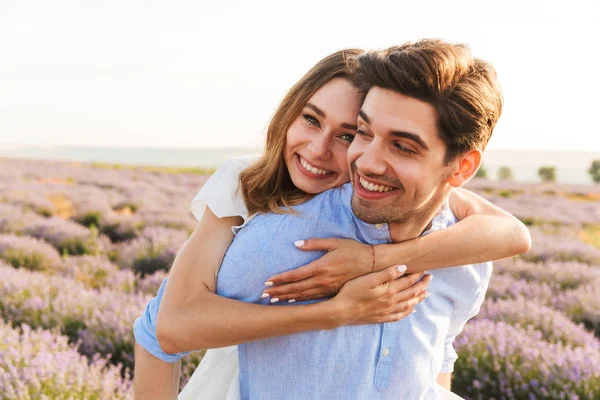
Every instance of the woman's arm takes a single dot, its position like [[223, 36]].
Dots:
[[191, 316], [484, 232], [153, 378]]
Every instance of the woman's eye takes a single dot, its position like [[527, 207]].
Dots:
[[311, 120], [347, 137]]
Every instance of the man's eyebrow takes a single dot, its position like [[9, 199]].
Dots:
[[411, 136], [362, 114], [316, 109]]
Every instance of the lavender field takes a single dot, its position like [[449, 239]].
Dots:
[[83, 247]]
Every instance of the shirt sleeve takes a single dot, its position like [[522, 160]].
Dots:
[[144, 329], [220, 192], [457, 324]]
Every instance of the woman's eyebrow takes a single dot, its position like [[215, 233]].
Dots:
[[322, 114], [316, 109]]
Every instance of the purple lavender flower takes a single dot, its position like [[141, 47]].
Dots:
[[151, 283], [155, 249], [514, 362], [67, 236], [30, 253], [42, 364], [97, 272], [554, 325]]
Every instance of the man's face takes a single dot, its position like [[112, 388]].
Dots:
[[397, 159]]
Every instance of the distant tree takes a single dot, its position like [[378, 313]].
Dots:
[[594, 171], [481, 172], [547, 173], [505, 173]]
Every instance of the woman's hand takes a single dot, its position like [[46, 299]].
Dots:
[[383, 296], [345, 260]]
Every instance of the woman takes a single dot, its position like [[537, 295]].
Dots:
[[319, 110]]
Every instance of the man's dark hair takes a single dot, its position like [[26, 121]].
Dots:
[[463, 89]]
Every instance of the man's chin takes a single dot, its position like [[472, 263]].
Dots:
[[366, 211]]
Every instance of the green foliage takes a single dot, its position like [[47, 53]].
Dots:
[[81, 246], [481, 172], [505, 173], [92, 218], [594, 171], [32, 261], [547, 173]]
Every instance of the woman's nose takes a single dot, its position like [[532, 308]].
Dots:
[[320, 147]]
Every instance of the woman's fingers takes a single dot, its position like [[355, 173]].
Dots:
[[387, 275], [310, 294], [307, 270], [401, 309], [293, 290], [405, 282], [326, 244], [408, 304], [413, 290], [295, 275]]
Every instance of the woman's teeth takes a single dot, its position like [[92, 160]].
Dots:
[[312, 169], [374, 188]]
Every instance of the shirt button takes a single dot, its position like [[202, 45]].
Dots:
[[386, 352], [378, 226]]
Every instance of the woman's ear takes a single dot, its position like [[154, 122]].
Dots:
[[468, 164]]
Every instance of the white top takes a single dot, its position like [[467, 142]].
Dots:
[[221, 194]]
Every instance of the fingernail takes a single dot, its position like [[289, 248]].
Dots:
[[299, 243], [291, 300], [427, 294], [401, 268], [413, 311], [430, 278], [264, 295], [268, 283], [274, 300]]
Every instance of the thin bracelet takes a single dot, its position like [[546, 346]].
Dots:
[[373, 253]]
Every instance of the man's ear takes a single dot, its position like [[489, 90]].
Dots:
[[468, 164]]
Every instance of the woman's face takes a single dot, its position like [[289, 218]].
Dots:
[[318, 139]]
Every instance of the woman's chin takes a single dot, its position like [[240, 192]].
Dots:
[[312, 186]]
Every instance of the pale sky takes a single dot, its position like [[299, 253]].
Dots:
[[133, 73]]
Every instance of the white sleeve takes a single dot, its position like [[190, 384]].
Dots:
[[220, 191]]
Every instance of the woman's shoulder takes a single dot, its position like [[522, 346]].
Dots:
[[220, 192]]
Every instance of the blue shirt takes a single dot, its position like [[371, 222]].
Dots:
[[399, 360]]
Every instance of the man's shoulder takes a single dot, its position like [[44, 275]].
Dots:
[[465, 285], [326, 204]]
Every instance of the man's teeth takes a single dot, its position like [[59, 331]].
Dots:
[[374, 188], [312, 169]]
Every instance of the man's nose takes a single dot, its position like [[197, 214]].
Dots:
[[371, 161], [320, 146]]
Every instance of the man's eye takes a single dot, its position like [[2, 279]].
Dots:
[[311, 120], [360, 132], [347, 137], [404, 149]]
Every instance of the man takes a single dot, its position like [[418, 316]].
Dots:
[[429, 112]]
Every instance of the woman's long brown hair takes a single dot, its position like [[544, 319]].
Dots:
[[266, 185]]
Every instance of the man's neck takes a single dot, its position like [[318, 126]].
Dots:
[[415, 226]]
